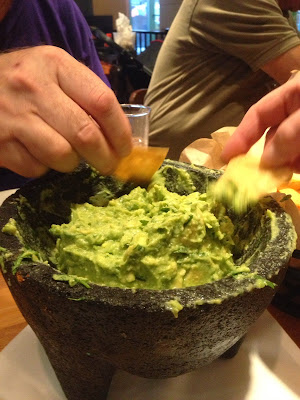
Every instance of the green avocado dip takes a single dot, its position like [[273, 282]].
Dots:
[[150, 238]]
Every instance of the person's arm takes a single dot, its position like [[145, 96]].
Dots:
[[280, 109], [255, 32], [47, 99], [280, 67]]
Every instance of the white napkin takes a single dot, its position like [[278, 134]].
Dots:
[[266, 367]]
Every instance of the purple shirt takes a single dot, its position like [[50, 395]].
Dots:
[[53, 22]]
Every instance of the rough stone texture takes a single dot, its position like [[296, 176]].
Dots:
[[108, 328]]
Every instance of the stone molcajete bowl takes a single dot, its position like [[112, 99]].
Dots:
[[89, 332]]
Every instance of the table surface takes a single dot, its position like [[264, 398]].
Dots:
[[12, 321]]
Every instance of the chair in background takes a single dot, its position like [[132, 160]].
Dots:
[[149, 56], [137, 96]]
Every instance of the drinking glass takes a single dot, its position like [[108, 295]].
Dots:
[[138, 116]]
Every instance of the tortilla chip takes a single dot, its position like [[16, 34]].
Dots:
[[141, 164], [294, 183], [244, 182]]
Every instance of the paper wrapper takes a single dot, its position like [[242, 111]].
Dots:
[[124, 36], [207, 152]]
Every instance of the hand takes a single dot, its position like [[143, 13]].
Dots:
[[47, 99], [279, 109]]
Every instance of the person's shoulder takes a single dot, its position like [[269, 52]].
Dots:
[[237, 6], [63, 6], [55, 5], [68, 10]]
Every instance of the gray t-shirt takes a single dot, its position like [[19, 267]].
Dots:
[[207, 73]]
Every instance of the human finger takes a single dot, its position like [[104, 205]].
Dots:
[[34, 85], [15, 156], [76, 126], [283, 144], [44, 143], [269, 111], [296, 165], [93, 96]]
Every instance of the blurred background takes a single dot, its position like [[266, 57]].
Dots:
[[145, 15], [129, 69]]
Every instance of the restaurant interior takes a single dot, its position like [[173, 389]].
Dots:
[[129, 70]]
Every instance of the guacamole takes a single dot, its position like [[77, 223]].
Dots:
[[150, 238]]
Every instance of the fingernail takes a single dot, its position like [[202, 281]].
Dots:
[[294, 72]]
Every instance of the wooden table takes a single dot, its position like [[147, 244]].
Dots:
[[12, 321]]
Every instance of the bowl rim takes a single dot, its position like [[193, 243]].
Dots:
[[210, 293]]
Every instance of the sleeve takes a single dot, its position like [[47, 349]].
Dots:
[[255, 31]]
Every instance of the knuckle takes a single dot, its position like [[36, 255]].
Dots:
[[87, 135], [52, 53], [20, 81], [103, 101]]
